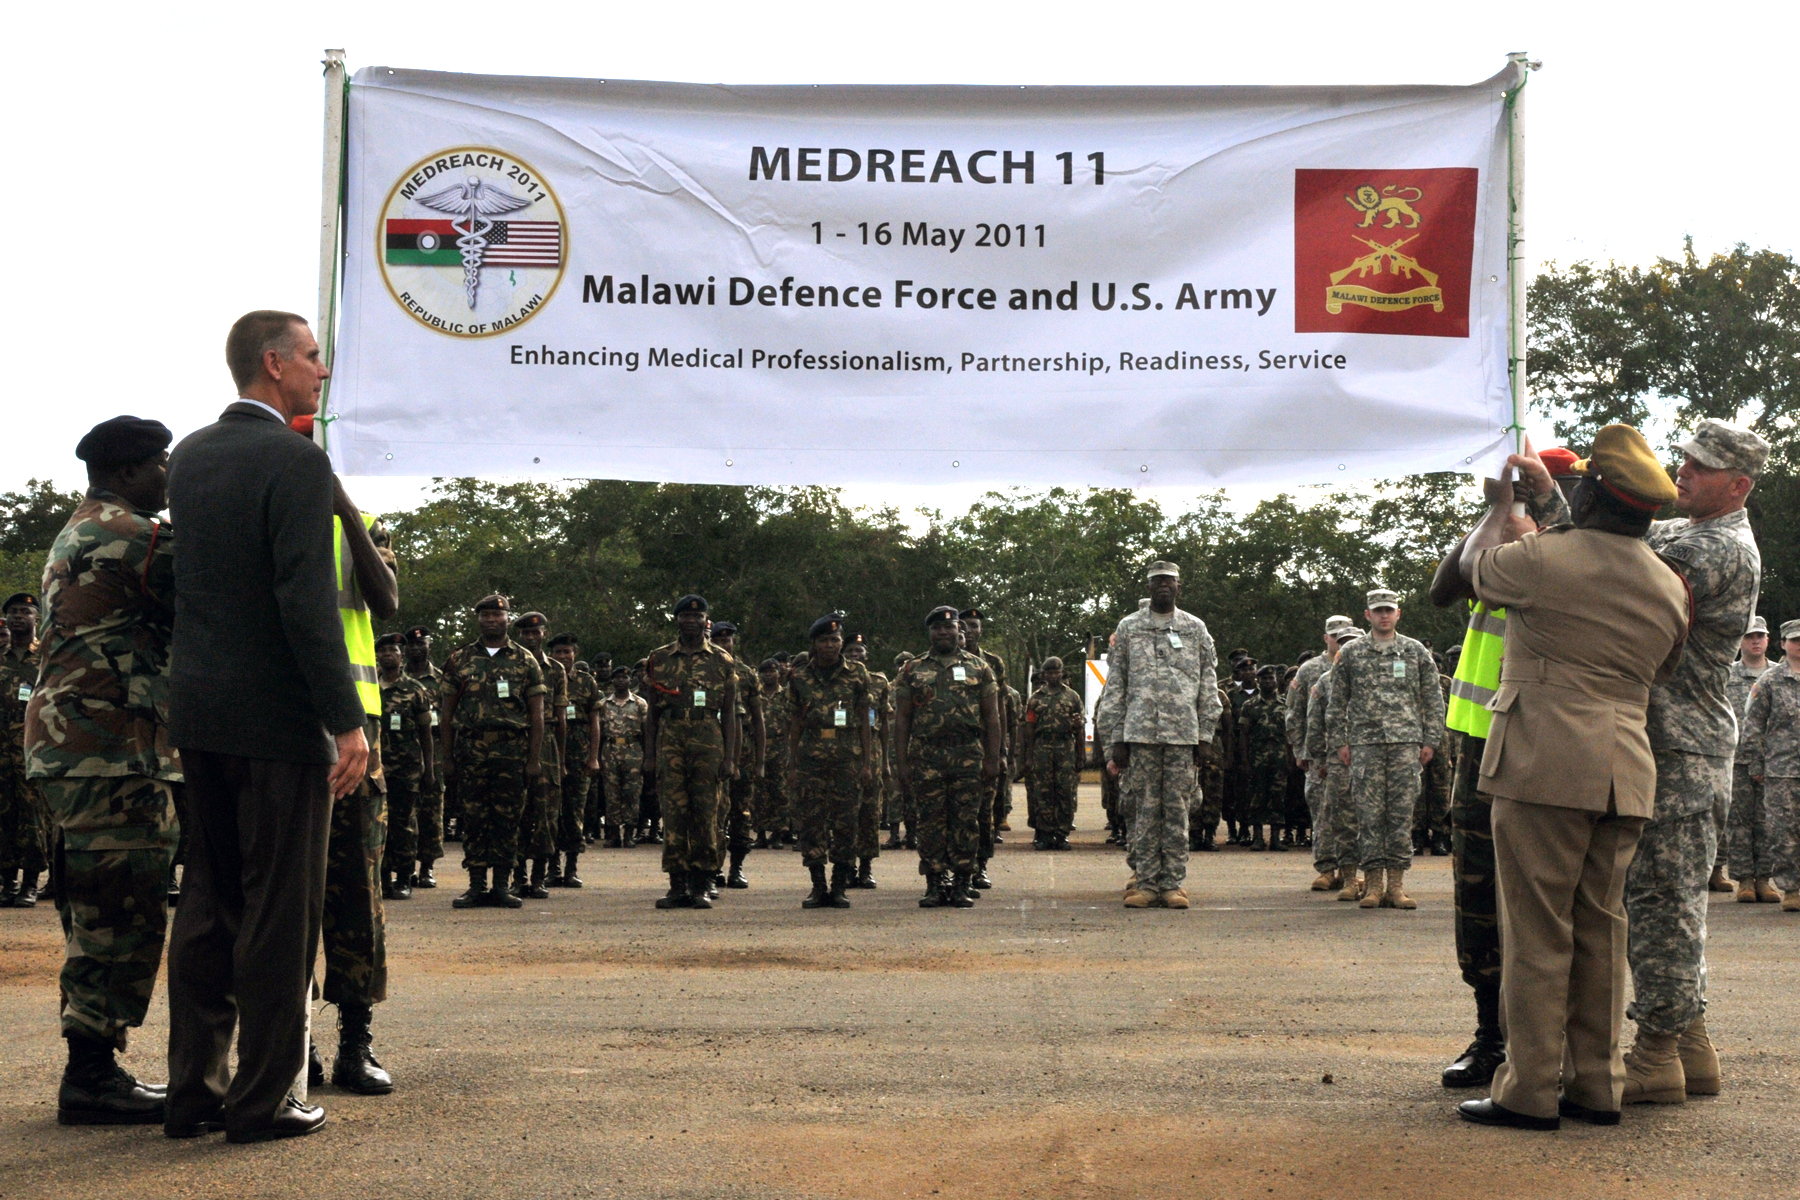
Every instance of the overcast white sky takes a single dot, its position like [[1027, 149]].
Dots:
[[176, 147]]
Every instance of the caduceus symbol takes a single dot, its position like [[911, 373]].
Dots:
[[470, 203]]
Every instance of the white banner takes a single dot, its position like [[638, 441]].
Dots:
[[780, 285]]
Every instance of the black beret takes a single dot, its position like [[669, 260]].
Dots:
[[563, 639], [724, 627], [856, 639], [780, 656], [495, 600], [417, 633], [389, 639], [688, 603], [618, 671], [829, 623], [20, 598], [769, 664], [602, 657], [969, 614], [121, 441], [530, 620], [942, 614]]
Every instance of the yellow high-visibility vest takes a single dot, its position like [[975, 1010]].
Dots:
[[1477, 677], [359, 629]]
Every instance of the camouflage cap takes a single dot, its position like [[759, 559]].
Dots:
[[1347, 634], [1160, 567], [27, 598], [1757, 625], [1333, 623], [1790, 629], [1382, 598], [1726, 447]]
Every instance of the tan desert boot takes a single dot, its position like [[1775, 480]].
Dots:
[[1746, 893], [1175, 898], [1395, 896], [1353, 887], [1718, 882], [1766, 893], [1373, 888], [1130, 886], [1653, 1070], [1790, 902], [1699, 1061], [1139, 899], [1326, 882]]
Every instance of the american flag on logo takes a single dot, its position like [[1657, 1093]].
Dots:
[[523, 244]]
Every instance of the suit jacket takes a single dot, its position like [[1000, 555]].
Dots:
[[258, 666], [1592, 620]]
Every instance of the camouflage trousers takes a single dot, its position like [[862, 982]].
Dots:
[[1753, 840], [1324, 858], [988, 814], [1431, 816], [1472, 871], [948, 792], [828, 808], [1340, 816], [570, 837], [1781, 806], [1211, 810], [737, 817], [24, 823], [894, 808], [622, 772], [543, 809], [404, 802], [593, 808], [1159, 789], [1265, 799], [868, 815], [1384, 787], [1665, 892], [689, 754], [431, 821], [353, 929], [1055, 777], [769, 804], [490, 782], [114, 840], [1109, 800]]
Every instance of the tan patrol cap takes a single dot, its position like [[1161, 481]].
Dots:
[[1162, 568], [1757, 625], [1382, 598]]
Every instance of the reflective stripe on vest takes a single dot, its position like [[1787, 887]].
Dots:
[[1477, 677], [359, 630]]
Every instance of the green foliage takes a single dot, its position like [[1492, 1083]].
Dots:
[[29, 522]]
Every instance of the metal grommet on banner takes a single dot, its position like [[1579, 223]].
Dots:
[[1340, 466], [955, 463], [390, 458], [728, 462], [1144, 468], [537, 460]]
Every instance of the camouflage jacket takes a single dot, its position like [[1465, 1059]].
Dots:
[[828, 707], [749, 705], [776, 713], [942, 696], [678, 679], [488, 691], [881, 711], [584, 698], [1055, 715], [18, 676], [1160, 686], [1299, 700], [1772, 724], [1318, 743], [1689, 711], [407, 706], [622, 724], [1737, 689], [109, 607], [1262, 730], [1385, 693]]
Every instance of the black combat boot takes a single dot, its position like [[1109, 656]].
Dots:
[[1256, 842], [961, 894], [678, 892], [535, 890], [387, 884], [840, 879], [981, 881], [820, 896], [936, 895], [403, 885], [1476, 1066], [762, 840], [701, 889], [499, 896], [865, 875], [423, 878], [737, 879], [355, 1069], [627, 839], [9, 889], [96, 1090], [570, 878], [554, 876], [1209, 840], [911, 840], [894, 840], [1277, 840], [612, 838], [1061, 842], [28, 891], [477, 894]]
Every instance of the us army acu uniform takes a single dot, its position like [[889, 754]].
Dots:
[[622, 761], [1693, 735], [1162, 701], [23, 819], [1299, 705], [1771, 753], [1337, 812], [1385, 704], [407, 706], [1056, 720], [942, 695], [485, 698], [1753, 842], [830, 708]]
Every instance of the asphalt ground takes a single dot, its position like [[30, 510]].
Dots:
[[1269, 1042]]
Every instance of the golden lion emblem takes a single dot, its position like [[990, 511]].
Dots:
[[1393, 201]]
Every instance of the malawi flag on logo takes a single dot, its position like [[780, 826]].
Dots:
[[508, 244]]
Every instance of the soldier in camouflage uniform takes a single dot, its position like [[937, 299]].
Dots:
[[543, 800], [493, 721], [949, 747], [993, 813], [1203, 823], [1235, 767], [1693, 735], [594, 818], [622, 718], [1745, 828], [1159, 711], [408, 761], [691, 749], [737, 819], [898, 813], [417, 651], [1335, 808], [1770, 748], [770, 803], [96, 744], [1431, 816], [581, 759], [1299, 707], [881, 713], [1262, 735], [1386, 718], [23, 820], [832, 749], [1051, 749]]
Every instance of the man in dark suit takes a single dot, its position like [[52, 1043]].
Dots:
[[270, 729]]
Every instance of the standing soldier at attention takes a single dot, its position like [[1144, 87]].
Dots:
[[580, 759], [832, 749], [1385, 720], [407, 761], [1335, 809], [594, 816], [879, 720], [1298, 706], [1160, 706], [23, 821], [543, 800], [949, 743], [1051, 749], [737, 820], [992, 813], [622, 718], [431, 797], [1262, 733], [1753, 842], [493, 705], [899, 806], [1203, 822], [691, 748], [770, 801], [97, 745], [1771, 752], [1693, 734]]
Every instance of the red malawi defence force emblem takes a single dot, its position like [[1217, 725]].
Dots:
[[1384, 251]]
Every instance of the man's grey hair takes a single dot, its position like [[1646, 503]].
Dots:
[[255, 334]]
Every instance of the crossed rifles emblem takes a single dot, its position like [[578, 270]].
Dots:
[[1393, 204]]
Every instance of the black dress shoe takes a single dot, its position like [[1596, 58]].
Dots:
[[1486, 1112], [292, 1119], [1593, 1116], [194, 1129], [1477, 1065]]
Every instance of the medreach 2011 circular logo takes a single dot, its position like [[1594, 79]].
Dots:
[[472, 241]]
